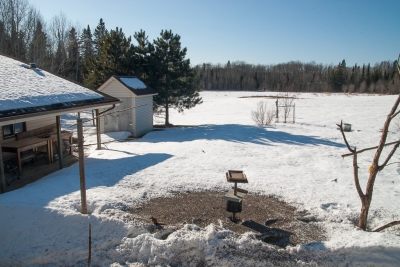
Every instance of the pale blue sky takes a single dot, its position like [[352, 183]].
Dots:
[[254, 31]]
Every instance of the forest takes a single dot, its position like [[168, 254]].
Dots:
[[71, 50], [296, 76]]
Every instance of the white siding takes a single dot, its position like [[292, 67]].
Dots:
[[116, 89], [30, 125], [144, 115], [120, 121]]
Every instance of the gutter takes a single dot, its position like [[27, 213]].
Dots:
[[107, 110]]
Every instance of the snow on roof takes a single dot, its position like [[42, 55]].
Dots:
[[134, 83], [22, 87]]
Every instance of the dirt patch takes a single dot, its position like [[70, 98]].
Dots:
[[273, 221], [269, 96]]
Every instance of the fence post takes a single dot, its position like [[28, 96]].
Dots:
[[294, 111]]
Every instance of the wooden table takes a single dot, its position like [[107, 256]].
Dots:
[[27, 144]]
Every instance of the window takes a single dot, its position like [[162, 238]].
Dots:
[[12, 129]]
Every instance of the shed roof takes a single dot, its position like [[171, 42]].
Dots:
[[27, 92], [135, 85]]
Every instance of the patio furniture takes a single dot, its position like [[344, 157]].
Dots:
[[8, 157], [27, 144]]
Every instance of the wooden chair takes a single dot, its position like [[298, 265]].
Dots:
[[8, 157]]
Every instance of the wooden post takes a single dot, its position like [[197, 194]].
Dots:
[[94, 122], [98, 130], [277, 112], [3, 175], [60, 154], [90, 244], [81, 166], [294, 112]]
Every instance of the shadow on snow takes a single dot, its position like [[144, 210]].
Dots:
[[237, 133], [98, 173]]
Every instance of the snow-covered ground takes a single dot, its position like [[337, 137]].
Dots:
[[41, 224]]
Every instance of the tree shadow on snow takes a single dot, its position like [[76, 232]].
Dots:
[[238, 133]]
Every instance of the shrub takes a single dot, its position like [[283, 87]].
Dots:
[[261, 116]]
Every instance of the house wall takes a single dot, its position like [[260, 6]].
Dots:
[[138, 121], [120, 121], [143, 115], [116, 89], [30, 125]]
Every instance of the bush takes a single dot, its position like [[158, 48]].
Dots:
[[261, 116]]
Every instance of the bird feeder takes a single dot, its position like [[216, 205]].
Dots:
[[235, 195], [347, 127]]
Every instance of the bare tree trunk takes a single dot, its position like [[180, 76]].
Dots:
[[375, 167]]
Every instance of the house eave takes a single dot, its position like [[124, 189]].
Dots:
[[53, 113]]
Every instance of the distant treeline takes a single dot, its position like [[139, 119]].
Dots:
[[295, 76]]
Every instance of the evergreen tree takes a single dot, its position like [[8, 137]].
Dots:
[[99, 33], [4, 39], [60, 56], [143, 51], [172, 75], [73, 61], [86, 44], [38, 47], [116, 58]]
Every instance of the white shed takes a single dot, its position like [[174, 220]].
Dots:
[[133, 93]]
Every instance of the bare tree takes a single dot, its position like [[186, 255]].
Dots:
[[286, 103], [261, 116], [374, 169], [17, 19]]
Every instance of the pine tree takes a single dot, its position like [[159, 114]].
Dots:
[[143, 51], [99, 33], [73, 58], [86, 44], [116, 57], [38, 47], [4, 39], [172, 75]]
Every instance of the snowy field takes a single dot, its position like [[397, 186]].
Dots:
[[41, 224]]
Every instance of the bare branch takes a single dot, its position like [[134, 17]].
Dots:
[[388, 158], [393, 163], [370, 148], [344, 138], [395, 114], [386, 226]]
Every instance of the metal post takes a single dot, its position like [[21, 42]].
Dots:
[[60, 154], [81, 167]]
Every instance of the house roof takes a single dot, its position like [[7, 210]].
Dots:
[[135, 85], [27, 92]]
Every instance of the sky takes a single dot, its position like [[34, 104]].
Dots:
[[255, 31]]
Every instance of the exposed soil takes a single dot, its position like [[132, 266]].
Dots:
[[269, 96], [273, 221]]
